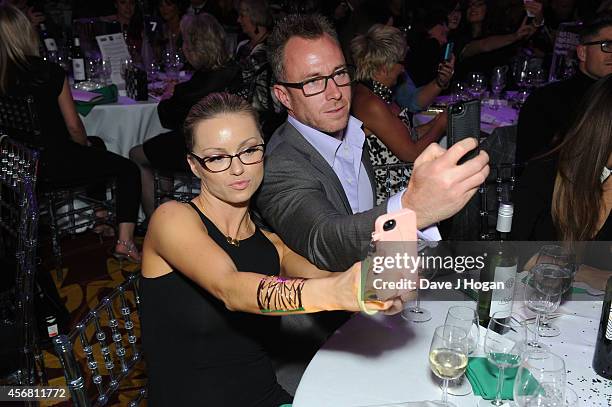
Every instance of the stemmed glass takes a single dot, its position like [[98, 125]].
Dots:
[[503, 345], [172, 64], [540, 380], [465, 318], [544, 287], [448, 356], [107, 71], [417, 313], [457, 93], [477, 84], [555, 254], [498, 83], [126, 65]]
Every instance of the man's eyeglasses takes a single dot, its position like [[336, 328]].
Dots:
[[606, 45], [318, 84], [221, 162]]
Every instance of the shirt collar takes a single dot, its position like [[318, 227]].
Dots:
[[327, 145]]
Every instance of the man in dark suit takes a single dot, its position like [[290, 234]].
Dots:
[[549, 110], [318, 189]]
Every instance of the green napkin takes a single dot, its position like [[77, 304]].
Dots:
[[110, 95], [482, 375]]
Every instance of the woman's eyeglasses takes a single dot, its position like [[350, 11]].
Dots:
[[221, 162]]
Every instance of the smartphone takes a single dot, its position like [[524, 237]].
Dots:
[[448, 51], [464, 122], [396, 227]]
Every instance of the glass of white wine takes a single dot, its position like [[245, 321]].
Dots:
[[504, 344], [465, 318], [448, 356]]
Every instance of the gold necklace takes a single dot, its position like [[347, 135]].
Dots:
[[235, 242]]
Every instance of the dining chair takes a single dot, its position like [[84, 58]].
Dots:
[[107, 341], [67, 208], [178, 186], [18, 241]]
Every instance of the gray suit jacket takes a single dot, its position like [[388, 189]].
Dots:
[[303, 201]]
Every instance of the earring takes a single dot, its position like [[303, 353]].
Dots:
[[605, 173]]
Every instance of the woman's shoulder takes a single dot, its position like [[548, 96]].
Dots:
[[172, 215]]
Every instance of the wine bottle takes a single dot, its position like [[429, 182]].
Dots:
[[499, 271], [602, 358], [78, 63], [47, 39]]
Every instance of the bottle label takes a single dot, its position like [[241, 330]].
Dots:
[[78, 69], [50, 44], [501, 299], [609, 327]]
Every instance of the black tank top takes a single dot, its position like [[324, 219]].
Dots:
[[197, 352]]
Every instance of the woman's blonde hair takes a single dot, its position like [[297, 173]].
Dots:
[[17, 41], [205, 39], [382, 46]]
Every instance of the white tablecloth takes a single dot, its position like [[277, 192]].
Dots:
[[124, 124], [382, 360]]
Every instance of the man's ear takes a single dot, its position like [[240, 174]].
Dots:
[[581, 52], [282, 95]]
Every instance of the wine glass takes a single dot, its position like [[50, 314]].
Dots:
[[498, 83], [477, 84], [555, 254], [448, 356], [457, 93], [503, 345], [540, 379], [543, 289], [465, 318], [126, 65], [106, 70], [417, 313]]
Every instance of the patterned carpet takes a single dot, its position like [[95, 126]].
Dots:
[[90, 273]]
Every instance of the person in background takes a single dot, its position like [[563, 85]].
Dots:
[[68, 157], [566, 195], [544, 117], [213, 281], [378, 56], [129, 18], [171, 12], [215, 71], [427, 44], [35, 16], [255, 20], [480, 48], [454, 17]]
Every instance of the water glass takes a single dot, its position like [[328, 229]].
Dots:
[[465, 318], [540, 379], [498, 80], [107, 71], [448, 357], [544, 287], [503, 345]]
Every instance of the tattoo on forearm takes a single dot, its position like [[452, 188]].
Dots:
[[277, 294]]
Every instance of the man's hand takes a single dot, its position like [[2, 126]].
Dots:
[[35, 17], [535, 8], [439, 188]]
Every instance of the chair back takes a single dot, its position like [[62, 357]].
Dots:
[[178, 186], [19, 119], [108, 337], [18, 240]]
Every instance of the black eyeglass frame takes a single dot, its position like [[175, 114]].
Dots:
[[349, 69], [203, 160], [601, 44]]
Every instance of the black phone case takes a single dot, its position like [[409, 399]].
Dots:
[[464, 122]]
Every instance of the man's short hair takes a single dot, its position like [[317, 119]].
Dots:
[[592, 27], [307, 26]]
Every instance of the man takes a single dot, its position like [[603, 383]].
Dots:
[[549, 110], [318, 188]]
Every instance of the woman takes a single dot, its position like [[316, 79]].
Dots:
[[378, 56], [213, 279], [130, 22], [480, 49], [255, 20], [215, 71], [171, 12], [566, 195], [67, 158]]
